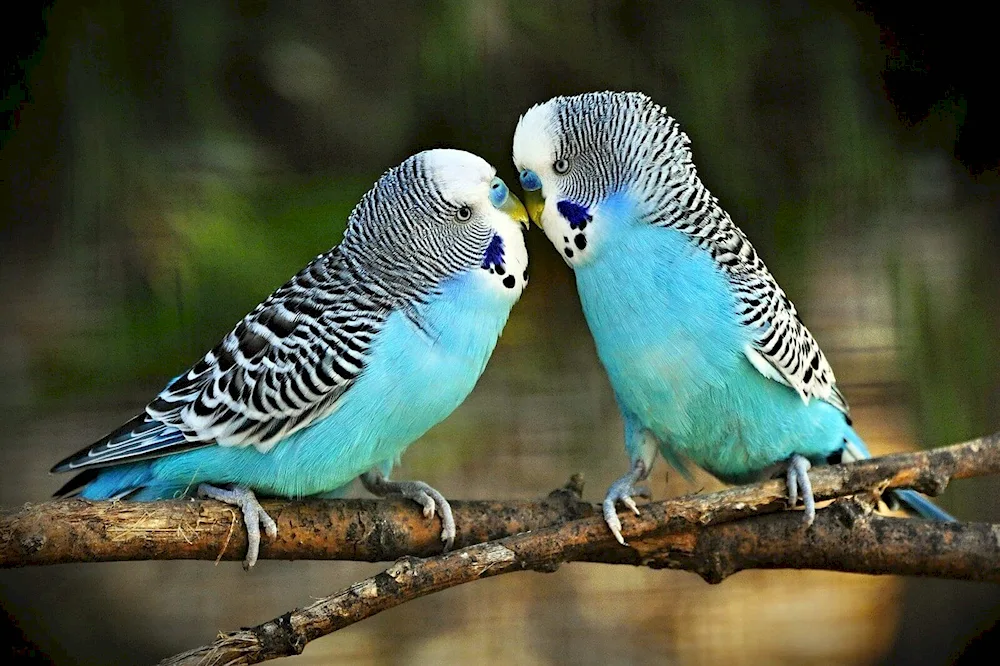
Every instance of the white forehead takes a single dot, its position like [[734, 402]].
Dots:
[[533, 138], [457, 174]]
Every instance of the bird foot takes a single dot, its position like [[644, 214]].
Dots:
[[253, 515], [623, 490], [431, 500], [800, 485]]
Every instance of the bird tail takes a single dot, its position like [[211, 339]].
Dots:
[[911, 501], [107, 483], [923, 507]]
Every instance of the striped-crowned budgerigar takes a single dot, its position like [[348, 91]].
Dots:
[[707, 357], [341, 369]]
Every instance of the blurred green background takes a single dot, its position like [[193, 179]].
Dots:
[[166, 165]]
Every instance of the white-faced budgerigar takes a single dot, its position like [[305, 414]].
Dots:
[[707, 357], [341, 369]]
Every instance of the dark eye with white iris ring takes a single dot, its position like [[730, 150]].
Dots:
[[561, 166], [463, 214]]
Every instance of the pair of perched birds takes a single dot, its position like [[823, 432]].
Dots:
[[374, 342]]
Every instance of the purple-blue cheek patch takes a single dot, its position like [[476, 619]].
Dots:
[[575, 214], [493, 259], [493, 262]]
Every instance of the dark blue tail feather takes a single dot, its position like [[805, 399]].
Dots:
[[911, 500], [917, 503]]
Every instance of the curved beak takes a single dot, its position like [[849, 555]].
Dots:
[[533, 198], [535, 204], [514, 209]]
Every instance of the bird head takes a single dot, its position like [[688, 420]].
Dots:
[[586, 161], [439, 213]]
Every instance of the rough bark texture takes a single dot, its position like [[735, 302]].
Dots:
[[847, 536], [368, 530], [714, 535]]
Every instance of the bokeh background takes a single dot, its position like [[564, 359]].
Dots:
[[165, 165]]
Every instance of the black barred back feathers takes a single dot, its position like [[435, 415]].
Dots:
[[619, 142], [287, 363]]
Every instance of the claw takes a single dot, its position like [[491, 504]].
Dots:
[[792, 481], [425, 501], [253, 516], [623, 491], [611, 518], [429, 499], [630, 503], [799, 484]]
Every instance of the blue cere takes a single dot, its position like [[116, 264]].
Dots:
[[498, 192], [530, 180]]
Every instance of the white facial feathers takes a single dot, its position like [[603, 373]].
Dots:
[[605, 141], [460, 177], [534, 138], [465, 179]]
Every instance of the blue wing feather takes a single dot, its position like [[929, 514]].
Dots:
[[140, 439]]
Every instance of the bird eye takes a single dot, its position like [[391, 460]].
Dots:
[[561, 166], [464, 214]]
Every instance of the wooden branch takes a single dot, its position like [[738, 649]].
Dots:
[[847, 536], [368, 530], [362, 530], [714, 535], [851, 538]]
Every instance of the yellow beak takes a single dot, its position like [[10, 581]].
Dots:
[[514, 209], [535, 203]]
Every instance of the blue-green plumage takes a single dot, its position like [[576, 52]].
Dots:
[[709, 360], [341, 369], [659, 310], [415, 377]]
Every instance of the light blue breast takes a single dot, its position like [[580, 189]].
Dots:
[[415, 377], [663, 318]]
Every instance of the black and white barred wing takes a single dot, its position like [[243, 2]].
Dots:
[[285, 365], [783, 349]]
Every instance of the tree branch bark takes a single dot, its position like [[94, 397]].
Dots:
[[846, 536], [67, 531], [714, 535]]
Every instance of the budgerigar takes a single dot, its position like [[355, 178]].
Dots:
[[341, 369], [707, 357]]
